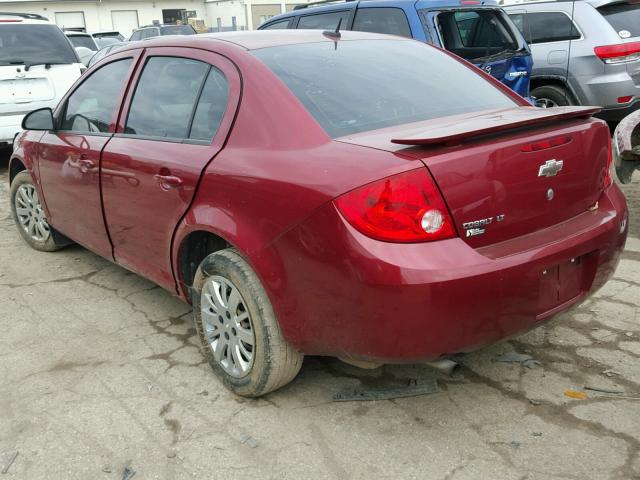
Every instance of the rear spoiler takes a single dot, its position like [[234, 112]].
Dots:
[[490, 123]]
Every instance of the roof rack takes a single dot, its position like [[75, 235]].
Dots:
[[29, 16], [320, 2]]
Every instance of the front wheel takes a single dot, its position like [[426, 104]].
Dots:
[[239, 334], [29, 215], [548, 96]]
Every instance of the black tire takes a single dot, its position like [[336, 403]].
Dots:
[[54, 241], [275, 363], [553, 94]]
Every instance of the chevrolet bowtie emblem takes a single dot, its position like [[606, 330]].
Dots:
[[550, 168]]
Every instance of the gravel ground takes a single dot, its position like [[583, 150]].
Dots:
[[100, 372]]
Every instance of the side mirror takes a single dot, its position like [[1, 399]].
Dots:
[[626, 147], [41, 119]]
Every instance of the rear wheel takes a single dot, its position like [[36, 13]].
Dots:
[[239, 333], [29, 216], [548, 96]]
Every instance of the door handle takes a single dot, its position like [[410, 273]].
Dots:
[[167, 182], [86, 164]]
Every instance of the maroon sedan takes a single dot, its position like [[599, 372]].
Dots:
[[365, 197]]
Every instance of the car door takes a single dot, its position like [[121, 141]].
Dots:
[[69, 157], [175, 121]]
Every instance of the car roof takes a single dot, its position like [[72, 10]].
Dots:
[[71, 33], [593, 3], [318, 7], [251, 40]]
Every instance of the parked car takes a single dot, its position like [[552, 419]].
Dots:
[[106, 41], [355, 195], [626, 147], [37, 66], [592, 60], [116, 35], [478, 31], [160, 30], [103, 52], [81, 39]]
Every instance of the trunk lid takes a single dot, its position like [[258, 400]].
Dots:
[[500, 180]]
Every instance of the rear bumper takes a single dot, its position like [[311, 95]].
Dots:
[[339, 293]]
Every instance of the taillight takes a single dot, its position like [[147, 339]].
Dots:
[[619, 53], [607, 173], [404, 208]]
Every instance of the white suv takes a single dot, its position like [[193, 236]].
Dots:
[[37, 67]]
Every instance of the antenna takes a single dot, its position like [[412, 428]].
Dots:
[[566, 91], [335, 34]]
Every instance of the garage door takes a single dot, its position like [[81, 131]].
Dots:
[[124, 21], [74, 20]]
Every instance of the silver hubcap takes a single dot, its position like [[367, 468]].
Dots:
[[227, 326], [30, 214], [545, 103]]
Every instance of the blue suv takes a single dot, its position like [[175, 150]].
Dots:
[[476, 30]]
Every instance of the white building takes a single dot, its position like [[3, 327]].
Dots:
[[126, 15]]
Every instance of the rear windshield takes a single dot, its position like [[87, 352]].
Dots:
[[355, 86], [34, 45], [177, 30], [477, 34], [624, 18], [82, 41]]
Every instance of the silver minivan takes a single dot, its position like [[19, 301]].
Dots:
[[592, 60]]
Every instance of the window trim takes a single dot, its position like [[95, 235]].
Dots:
[[529, 12], [361, 8]]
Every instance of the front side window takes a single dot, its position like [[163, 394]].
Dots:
[[477, 34], [31, 44], [392, 21], [165, 97], [135, 36], [91, 106], [543, 27], [363, 85], [277, 25], [324, 21]]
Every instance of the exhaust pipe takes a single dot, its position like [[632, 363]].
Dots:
[[445, 366]]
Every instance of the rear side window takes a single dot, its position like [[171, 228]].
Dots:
[[324, 21], [544, 27], [83, 41], [90, 107], [392, 21], [34, 45], [363, 85], [165, 97], [477, 34], [211, 106], [624, 18], [277, 25]]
